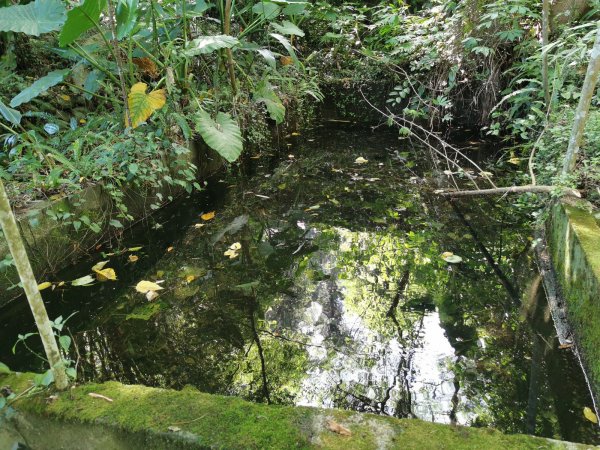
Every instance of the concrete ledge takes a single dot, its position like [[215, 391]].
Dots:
[[150, 418], [573, 238]]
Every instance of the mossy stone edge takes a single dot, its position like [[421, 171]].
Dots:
[[152, 418]]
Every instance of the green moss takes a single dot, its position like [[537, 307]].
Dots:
[[228, 422], [574, 241]]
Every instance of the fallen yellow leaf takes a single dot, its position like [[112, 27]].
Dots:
[[133, 258], [99, 266], [208, 215], [169, 249], [589, 415], [198, 225], [151, 295], [190, 278], [106, 274], [44, 285], [361, 160], [146, 286]]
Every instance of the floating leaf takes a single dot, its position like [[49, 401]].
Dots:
[[221, 134], [142, 105], [361, 160], [208, 215], [83, 281], [146, 286], [106, 274], [151, 295], [100, 265], [589, 415], [39, 86], [44, 285], [79, 20], [35, 18], [204, 45]]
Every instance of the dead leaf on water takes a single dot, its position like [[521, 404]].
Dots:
[[83, 281], [337, 428], [100, 265], [208, 215], [44, 285], [589, 415], [106, 274], [146, 286]]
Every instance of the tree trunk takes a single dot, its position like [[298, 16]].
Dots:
[[19, 254], [583, 108]]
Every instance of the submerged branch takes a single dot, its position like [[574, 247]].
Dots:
[[509, 190]]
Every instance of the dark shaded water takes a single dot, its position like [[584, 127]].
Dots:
[[338, 297]]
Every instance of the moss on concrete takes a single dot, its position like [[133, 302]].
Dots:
[[211, 421], [574, 242]]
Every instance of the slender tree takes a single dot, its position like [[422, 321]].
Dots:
[[19, 254], [583, 108]]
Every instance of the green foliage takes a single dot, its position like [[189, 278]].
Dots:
[[39, 87], [265, 94], [35, 18], [10, 115], [81, 19], [207, 44], [127, 17], [221, 134]]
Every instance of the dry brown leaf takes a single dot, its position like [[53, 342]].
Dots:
[[337, 428], [146, 66], [100, 396], [564, 346]]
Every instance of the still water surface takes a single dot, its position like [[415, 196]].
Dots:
[[338, 297]]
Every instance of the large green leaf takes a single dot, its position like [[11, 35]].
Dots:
[[127, 12], [39, 86], [288, 27], [268, 55], [221, 134], [35, 18], [10, 115], [265, 94], [204, 45], [79, 20], [267, 10], [286, 44]]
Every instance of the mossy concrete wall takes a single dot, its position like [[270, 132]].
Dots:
[[573, 236], [139, 417]]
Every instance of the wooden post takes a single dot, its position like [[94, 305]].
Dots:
[[19, 254]]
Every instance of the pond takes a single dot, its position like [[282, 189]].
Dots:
[[324, 279]]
